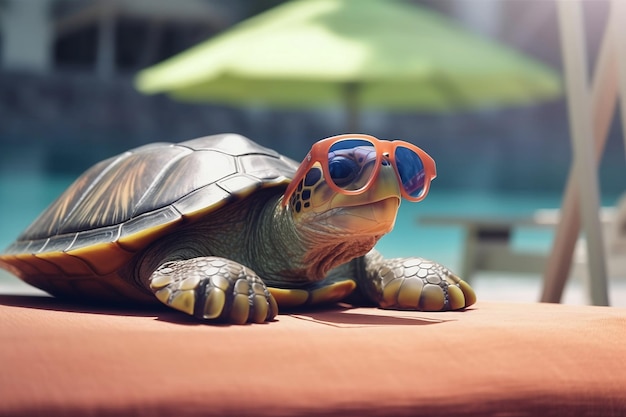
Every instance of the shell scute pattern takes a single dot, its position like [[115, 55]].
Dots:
[[50, 221], [261, 168], [201, 201], [117, 196], [129, 198], [240, 183], [197, 170]]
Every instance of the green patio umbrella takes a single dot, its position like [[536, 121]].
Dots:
[[382, 54]]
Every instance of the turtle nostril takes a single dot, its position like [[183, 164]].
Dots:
[[385, 159]]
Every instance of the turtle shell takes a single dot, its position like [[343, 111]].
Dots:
[[122, 204]]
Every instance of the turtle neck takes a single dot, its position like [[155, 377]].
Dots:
[[288, 253]]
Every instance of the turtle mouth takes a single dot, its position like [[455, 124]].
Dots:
[[373, 218]]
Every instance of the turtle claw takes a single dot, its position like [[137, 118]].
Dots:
[[418, 284], [212, 288]]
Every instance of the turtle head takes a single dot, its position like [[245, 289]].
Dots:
[[341, 226]]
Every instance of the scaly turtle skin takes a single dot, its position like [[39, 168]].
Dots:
[[199, 225]]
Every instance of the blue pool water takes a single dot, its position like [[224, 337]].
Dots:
[[24, 197], [445, 243]]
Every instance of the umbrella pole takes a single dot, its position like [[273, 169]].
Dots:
[[351, 92], [581, 131], [603, 104]]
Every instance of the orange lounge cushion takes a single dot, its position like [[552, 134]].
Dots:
[[493, 359]]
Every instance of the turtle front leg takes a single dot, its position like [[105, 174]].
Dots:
[[212, 288], [413, 284]]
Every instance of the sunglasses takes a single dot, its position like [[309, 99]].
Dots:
[[351, 163]]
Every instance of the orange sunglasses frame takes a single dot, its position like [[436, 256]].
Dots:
[[319, 153]]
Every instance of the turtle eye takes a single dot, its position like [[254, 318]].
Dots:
[[343, 171]]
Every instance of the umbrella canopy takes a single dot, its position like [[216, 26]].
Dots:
[[364, 53]]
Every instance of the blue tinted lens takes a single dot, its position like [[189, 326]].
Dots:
[[411, 171], [346, 162], [349, 144], [343, 171]]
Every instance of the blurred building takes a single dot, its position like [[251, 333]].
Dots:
[[103, 36], [66, 75], [67, 100]]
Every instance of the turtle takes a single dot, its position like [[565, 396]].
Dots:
[[204, 227]]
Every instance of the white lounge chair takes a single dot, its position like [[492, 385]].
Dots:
[[488, 242]]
